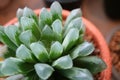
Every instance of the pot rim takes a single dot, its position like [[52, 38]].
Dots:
[[106, 74]]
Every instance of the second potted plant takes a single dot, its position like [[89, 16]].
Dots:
[[114, 45]]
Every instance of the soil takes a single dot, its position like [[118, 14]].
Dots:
[[114, 46]]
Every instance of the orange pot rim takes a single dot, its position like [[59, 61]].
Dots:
[[105, 53]]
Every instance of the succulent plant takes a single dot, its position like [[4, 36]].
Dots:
[[43, 48]]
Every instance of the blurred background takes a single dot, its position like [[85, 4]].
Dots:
[[97, 11], [105, 14]]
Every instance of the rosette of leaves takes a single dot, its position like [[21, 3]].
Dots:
[[43, 48]]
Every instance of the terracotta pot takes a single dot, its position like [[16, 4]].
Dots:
[[97, 36]]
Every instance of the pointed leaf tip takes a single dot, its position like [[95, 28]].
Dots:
[[77, 74], [19, 13], [25, 54], [57, 26], [39, 51], [64, 62], [83, 49], [44, 71], [93, 63], [74, 14], [45, 16], [56, 50], [56, 10], [70, 39]]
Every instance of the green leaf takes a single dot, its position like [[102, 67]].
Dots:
[[44, 71], [2, 28], [27, 12], [15, 77], [75, 23], [19, 13], [9, 53], [39, 51], [81, 39], [1, 63], [77, 74], [13, 66], [56, 50], [83, 49], [29, 24], [45, 16], [57, 26], [12, 33], [1, 74], [47, 33], [56, 10], [41, 25], [31, 76], [5, 40], [70, 39], [93, 63], [26, 37], [74, 14], [64, 62], [25, 54], [83, 28]]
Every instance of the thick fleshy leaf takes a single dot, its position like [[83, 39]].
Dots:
[[81, 39], [57, 26], [93, 63], [74, 14], [27, 37], [39, 51], [1, 64], [15, 77], [12, 33], [77, 74], [2, 28], [83, 49], [47, 33], [56, 10], [25, 54], [29, 24], [64, 62], [75, 23], [83, 29], [19, 13], [44, 71], [31, 76], [9, 53], [27, 12], [13, 66], [70, 39], [5, 40], [1, 74], [41, 25], [45, 16], [56, 50]]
